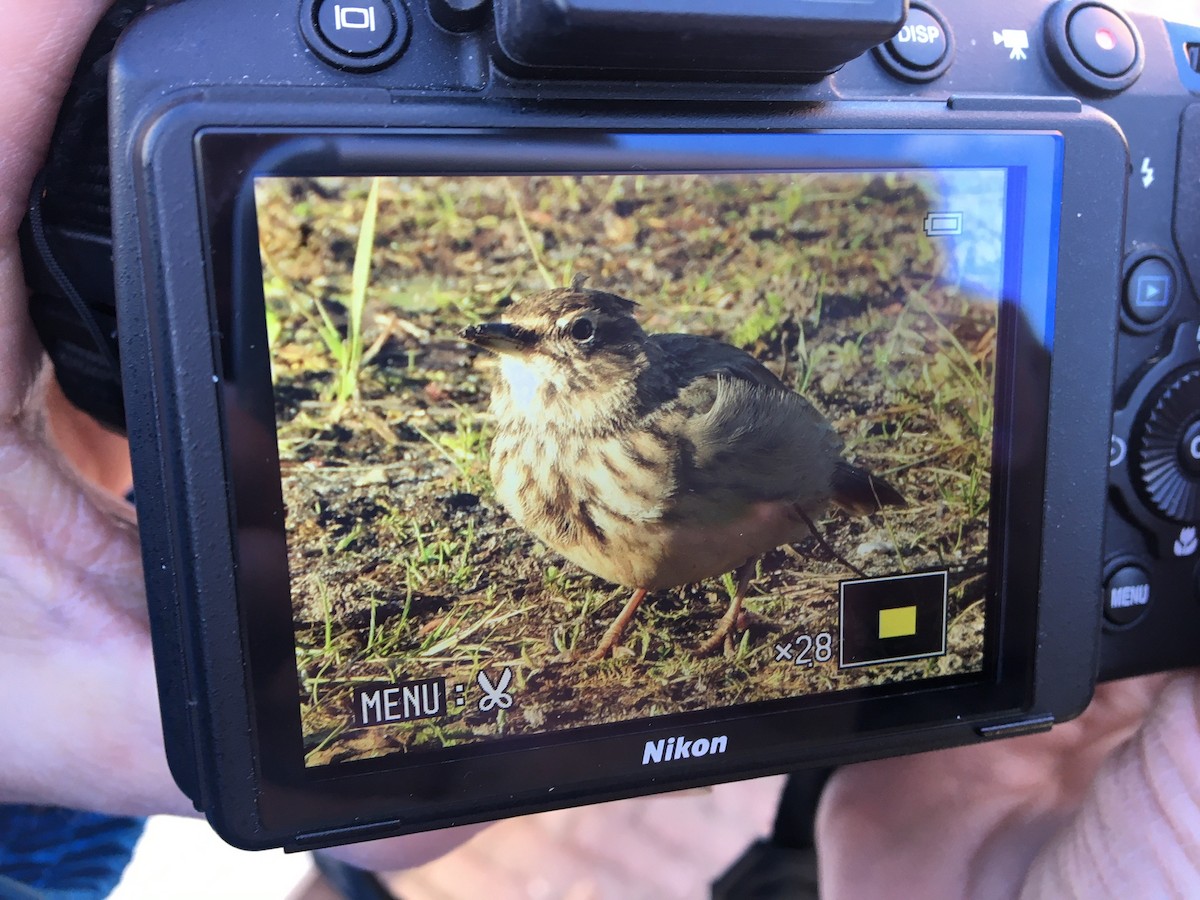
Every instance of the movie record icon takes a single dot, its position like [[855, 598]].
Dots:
[[892, 619]]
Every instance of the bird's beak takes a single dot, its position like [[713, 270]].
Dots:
[[499, 337]]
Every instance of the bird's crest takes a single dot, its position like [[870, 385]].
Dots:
[[556, 302]]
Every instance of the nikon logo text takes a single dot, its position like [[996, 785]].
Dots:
[[670, 749]]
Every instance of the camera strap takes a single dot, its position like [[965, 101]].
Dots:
[[67, 236]]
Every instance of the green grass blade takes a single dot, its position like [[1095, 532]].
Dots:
[[358, 283], [515, 202]]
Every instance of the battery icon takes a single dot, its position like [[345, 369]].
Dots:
[[941, 224]]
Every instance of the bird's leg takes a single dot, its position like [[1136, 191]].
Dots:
[[613, 635], [724, 633], [825, 545]]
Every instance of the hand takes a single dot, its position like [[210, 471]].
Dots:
[[79, 720], [1106, 805]]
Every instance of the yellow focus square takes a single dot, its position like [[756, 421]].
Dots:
[[898, 622]]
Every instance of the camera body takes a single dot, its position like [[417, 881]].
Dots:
[[241, 145]]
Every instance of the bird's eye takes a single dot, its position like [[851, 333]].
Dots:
[[582, 331]]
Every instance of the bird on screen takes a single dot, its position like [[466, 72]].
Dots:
[[655, 460]]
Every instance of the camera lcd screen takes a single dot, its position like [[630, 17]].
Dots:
[[439, 595], [427, 618]]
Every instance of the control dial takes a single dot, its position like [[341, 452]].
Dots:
[[1168, 458], [1154, 457]]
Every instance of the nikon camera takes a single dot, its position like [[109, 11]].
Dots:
[[298, 249]]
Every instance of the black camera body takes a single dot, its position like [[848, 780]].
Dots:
[[1023, 182]]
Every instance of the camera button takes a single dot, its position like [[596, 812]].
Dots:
[[357, 35], [1165, 465], [1126, 595], [1149, 291], [920, 51], [1093, 47], [458, 15], [1102, 41]]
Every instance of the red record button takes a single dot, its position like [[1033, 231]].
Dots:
[[1102, 41]]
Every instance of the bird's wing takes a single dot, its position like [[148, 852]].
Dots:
[[689, 356], [742, 436]]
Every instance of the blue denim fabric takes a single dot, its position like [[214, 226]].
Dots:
[[48, 853]]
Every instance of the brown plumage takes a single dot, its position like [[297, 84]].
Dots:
[[655, 460]]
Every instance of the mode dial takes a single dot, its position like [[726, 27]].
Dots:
[[1168, 458]]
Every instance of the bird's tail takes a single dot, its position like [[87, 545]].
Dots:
[[859, 492]]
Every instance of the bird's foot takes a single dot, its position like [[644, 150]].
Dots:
[[601, 652], [613, 636], [721, 639]]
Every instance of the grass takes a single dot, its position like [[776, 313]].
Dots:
[[466, 448], [345, 346], [347, 351], [762, 321], [534, 246], [439, 560]]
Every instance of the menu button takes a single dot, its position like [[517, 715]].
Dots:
[[1126, 595]]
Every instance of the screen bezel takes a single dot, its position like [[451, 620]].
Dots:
[[228, 162]]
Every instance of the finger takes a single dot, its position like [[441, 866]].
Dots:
[[989, 808], [1137, 833], [39, 47], [97, 454], [69, 561], [81, 725]]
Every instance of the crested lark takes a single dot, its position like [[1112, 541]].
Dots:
[[655, 460]]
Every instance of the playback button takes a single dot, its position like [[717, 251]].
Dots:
[[1149, 292]]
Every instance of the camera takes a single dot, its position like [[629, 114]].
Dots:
[[537, 403]]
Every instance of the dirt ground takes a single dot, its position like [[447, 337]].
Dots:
[[405, 567]]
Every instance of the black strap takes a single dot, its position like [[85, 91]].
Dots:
[[67, 235], [41, 241], [784, 867]]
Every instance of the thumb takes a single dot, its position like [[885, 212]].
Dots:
[[1137, 833]]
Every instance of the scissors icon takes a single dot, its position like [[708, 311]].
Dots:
[[497, 695]]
